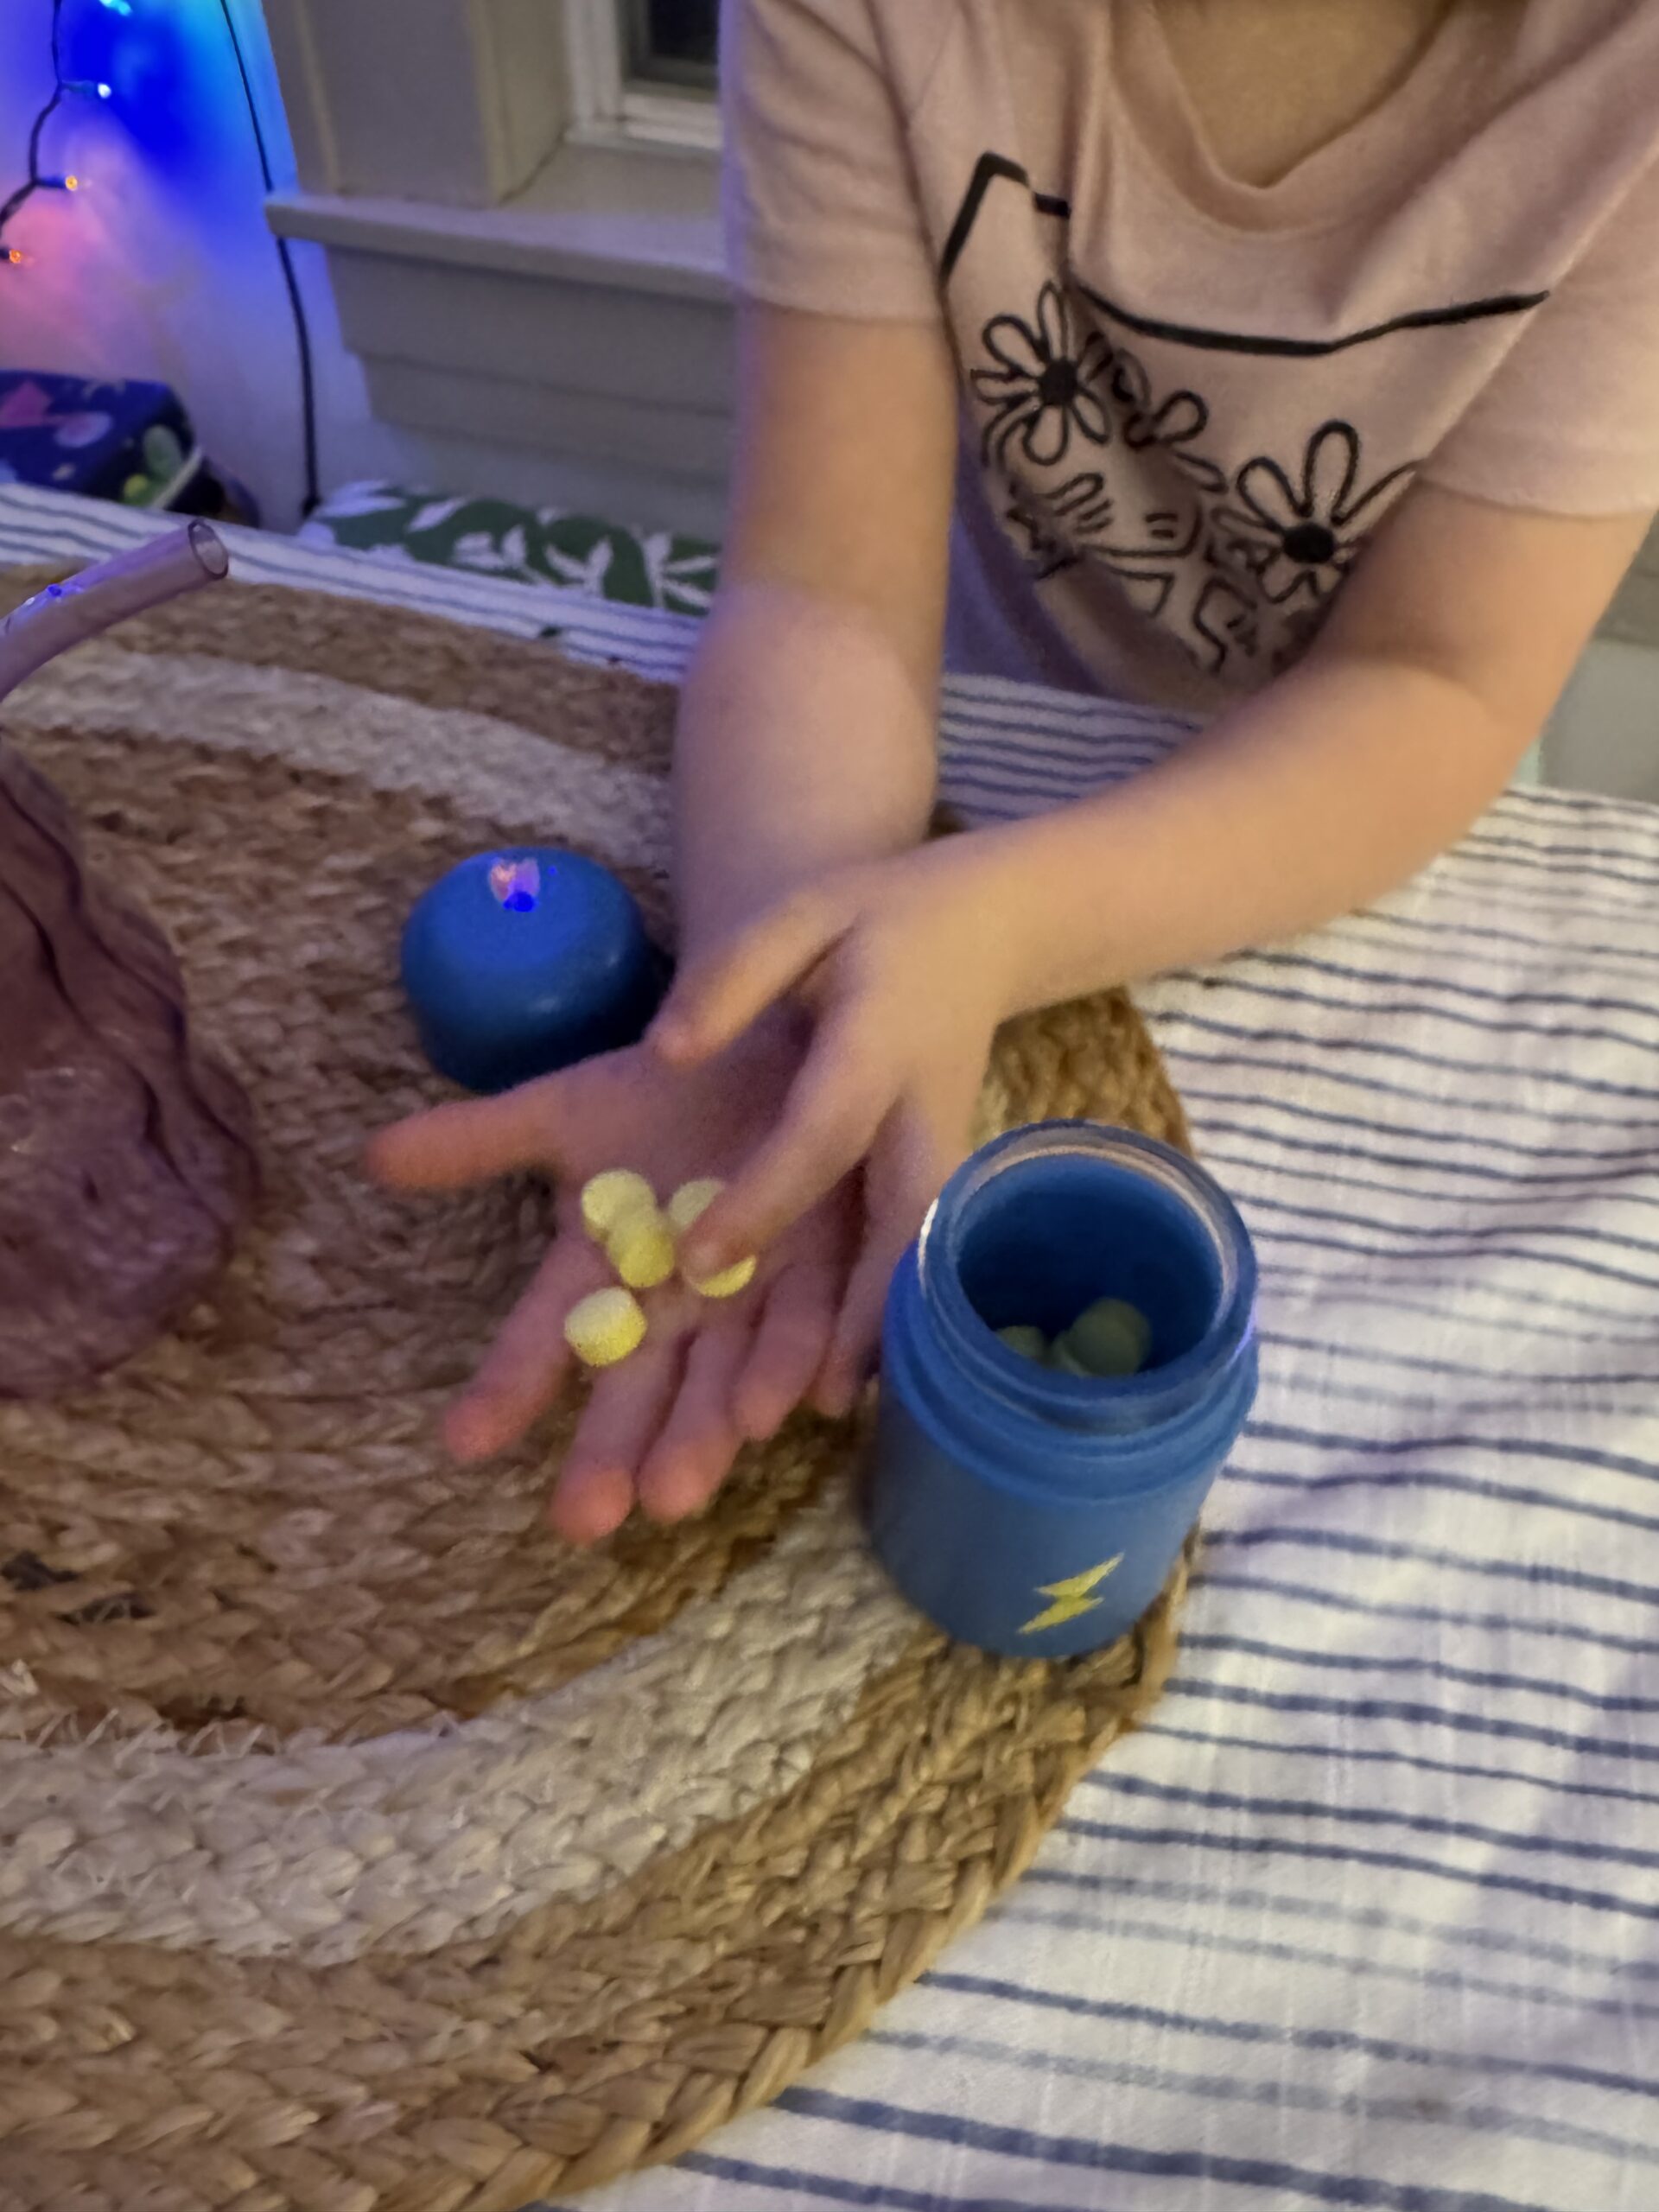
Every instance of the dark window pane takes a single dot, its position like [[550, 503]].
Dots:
[[673, 40]]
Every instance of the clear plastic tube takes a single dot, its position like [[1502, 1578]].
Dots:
[[84, 606]]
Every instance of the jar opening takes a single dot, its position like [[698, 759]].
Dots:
[[1041, 1248], [1043, 1223]]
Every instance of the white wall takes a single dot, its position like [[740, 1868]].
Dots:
[[1605, 734]]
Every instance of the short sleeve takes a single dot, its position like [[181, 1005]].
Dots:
[[820, 204], [1569, 423]]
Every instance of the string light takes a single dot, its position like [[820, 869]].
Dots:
[[39, 179]]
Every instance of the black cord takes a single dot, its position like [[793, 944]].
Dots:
[[284, 255], [35, 181]]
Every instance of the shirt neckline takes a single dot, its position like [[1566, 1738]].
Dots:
[[1335, 183]]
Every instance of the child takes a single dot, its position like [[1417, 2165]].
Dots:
[[1303, 356]]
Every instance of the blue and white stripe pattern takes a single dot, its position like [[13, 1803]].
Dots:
[[1368, 1917]]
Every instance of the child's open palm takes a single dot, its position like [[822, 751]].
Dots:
[[663, 1426]]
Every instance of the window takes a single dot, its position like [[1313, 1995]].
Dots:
[[643, 70], [672, 41]]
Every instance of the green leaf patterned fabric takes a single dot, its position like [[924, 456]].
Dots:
[[499, 537]]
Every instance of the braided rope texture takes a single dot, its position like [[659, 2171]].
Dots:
[[362, 1850]]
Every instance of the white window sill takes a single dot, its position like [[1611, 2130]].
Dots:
[[656, 115], [641, 217]]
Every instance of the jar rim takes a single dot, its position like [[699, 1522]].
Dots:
[[1123, 1404]]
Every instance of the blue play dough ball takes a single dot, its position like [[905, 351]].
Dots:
[[525, 960]]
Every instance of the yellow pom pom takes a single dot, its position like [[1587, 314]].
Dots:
[[609, 1198], [686, 1208], [1029, 1343], [1061, 1356], [641, 1248], [1110, 1340], [728, 1283], [605, 1327], [692, 1200]]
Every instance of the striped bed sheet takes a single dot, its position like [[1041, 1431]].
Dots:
[[1367, 1916]]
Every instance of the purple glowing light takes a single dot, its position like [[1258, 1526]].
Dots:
[[516, 885]]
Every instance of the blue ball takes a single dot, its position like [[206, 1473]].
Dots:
[[526, 960]]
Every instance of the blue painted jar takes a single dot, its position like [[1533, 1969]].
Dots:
[[526, 960], [1022, 1508]]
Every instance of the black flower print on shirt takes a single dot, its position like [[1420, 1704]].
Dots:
[[1245, 593], [1084, 520], [1055, 524], [1237, 567], [1170, 424], [1227, 623], [1051, 387], [1044, 388], [1300, 541]]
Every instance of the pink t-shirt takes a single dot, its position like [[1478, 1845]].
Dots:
[[1186, 400]]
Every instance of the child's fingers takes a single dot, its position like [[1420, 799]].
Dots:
[[715, 999], [788, 1349], [858, 1325], [525, 1368], [470, 1140], [912, 1173], [693, 1455], [836, 1105], [596, 1487]]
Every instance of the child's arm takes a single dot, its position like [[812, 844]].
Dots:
[[805, 745], [1435, 673], [806, 729]]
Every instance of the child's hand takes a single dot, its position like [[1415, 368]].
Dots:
[[664, 1426], [904, 965]]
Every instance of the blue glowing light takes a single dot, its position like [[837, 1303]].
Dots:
[[158, 90]]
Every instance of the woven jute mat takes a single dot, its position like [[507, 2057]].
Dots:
[[362, 1849]]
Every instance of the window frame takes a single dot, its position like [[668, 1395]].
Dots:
[[609, 107], [689, 76]]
